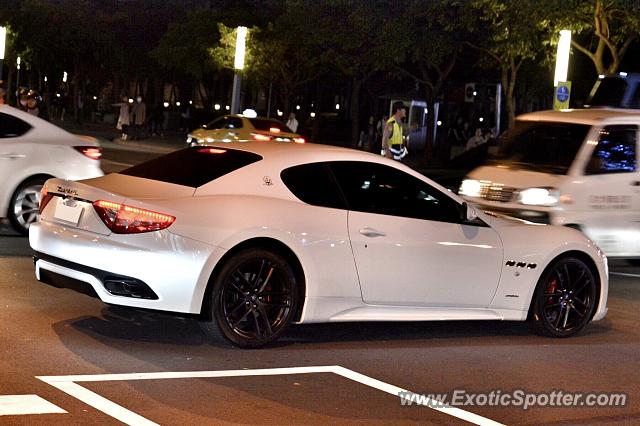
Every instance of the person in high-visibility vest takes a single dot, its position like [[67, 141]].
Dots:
[[392, 142]]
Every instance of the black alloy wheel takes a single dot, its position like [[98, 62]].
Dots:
[[255, 297], [565, 298]]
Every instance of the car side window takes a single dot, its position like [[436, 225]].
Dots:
[[313, 184], [233, 123], [376, 188], [615, 151], [12, 127], [218, 123]]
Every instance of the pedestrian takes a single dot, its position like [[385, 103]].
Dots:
[[476, 140], [123, 118], [32, 103], [138, 117], [392, 142], [292, 123]]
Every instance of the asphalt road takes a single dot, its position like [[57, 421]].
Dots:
[[46, 331]]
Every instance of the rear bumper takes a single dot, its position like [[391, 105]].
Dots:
[[155, 270]]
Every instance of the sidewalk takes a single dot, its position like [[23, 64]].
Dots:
[[109, 137]]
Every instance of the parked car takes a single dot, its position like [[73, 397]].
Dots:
[[239, 128], [253, 237], [33, 150], [577, 168]]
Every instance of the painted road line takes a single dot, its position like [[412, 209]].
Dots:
[[68, 385], [15, 405], [395, 390], [624, 274]]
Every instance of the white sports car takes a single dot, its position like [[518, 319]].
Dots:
[[255, 236], [33, 150]]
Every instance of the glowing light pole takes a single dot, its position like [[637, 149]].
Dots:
[[562, 87], [17, 77], [241, 38], [3, 41]]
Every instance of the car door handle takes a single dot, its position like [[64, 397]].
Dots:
[[12, 156], [635, 183], [372, 233]]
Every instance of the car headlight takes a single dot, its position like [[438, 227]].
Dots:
[[470, 187], [539, 196]]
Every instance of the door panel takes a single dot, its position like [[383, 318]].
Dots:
[[409, 243]]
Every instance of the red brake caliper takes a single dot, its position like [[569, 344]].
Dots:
[[551, 288]]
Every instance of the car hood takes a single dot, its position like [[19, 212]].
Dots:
[[517, 178]]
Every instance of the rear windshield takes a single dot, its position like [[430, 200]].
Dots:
[[193, 166], [265, 124], [542, 146]]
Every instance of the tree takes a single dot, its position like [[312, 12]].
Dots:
[[350, 36], [509, 32], [429, 55], [603, 29]]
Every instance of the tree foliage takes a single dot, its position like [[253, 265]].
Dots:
[[602, 30]]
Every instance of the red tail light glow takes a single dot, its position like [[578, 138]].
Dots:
[[260, 137], [123, 219], [212, 150], [299, 140], [274, 130], [93, 152], [45, 197]]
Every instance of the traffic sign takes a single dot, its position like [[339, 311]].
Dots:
[[562, 94]]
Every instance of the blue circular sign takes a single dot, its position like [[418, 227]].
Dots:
[[562, 93]]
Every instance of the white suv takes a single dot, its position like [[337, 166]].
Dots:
[[577, 168]]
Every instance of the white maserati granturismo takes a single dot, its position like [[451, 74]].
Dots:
[[33, 150], [255, 236]]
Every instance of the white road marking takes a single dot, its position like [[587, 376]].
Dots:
[[13, 405], [68, 385], [625, 274]]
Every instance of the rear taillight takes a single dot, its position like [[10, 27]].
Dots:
[[299, 140], [260, 137], [45, 197], [93, 152], [123, 219]]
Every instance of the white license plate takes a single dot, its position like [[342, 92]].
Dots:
[[68, 211]]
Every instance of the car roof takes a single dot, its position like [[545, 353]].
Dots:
[[589, 116]]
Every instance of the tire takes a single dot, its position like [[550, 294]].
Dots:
[[253, 300], [565, 298], [24, 205]]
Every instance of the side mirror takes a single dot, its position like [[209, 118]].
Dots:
[[467, 213]]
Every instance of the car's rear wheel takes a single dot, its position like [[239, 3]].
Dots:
[[24, 206], [564, 299], [254, 298]]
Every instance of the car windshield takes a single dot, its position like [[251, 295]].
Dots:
[[542, 146], [266, 125], [608, 92]]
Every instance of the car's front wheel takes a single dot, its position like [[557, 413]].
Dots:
[[254, 298], [564, 299], [24, 206]]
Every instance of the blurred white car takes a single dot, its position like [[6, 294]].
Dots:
[[577, 168], [239, 128], [33, 150], [255, 236]]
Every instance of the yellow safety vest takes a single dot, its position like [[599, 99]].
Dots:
[[396, 136]]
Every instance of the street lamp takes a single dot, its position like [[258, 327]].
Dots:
[[562, 57], [3, 41], [241, 38], [17, 78]]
